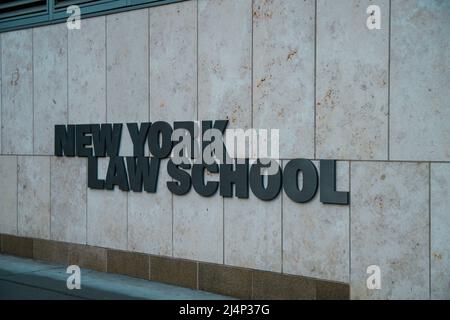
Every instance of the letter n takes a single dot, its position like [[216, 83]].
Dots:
[[65, 140]]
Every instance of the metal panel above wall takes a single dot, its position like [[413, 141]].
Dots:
[[18, 9], [29, 13]]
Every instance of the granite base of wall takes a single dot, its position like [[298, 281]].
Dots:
[[227, 280]]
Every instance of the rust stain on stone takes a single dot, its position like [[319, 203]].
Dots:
[[328, 98], [261, 13], [15, 76], [291, 54], [234, 113], [280, 113], [268, 15], [260, 82], [437, 256], [215, 68], [379, 202]]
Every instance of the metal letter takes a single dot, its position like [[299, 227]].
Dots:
[[257, 181], [310, 180], [328, 193]]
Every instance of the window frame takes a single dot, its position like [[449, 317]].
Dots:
[[57, 15]]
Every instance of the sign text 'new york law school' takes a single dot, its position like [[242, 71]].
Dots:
[[140, 172]]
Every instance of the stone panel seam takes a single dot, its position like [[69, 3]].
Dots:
[[149, 61], [50, 196], [106, 68], [149, 267], [315, 74], [252, 295], [350, 225], [127, 194], [32, 80], [251, 55], [1, 94], [429, 230], [171, 204], [17, 194], [86, 209], [282, 238], [197, 265], [223, 230], [389, 86], [196, 54], [67, 75]]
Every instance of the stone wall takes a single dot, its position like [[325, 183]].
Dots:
[[375, 100]]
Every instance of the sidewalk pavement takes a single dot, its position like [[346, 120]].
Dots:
[[30, 279]]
